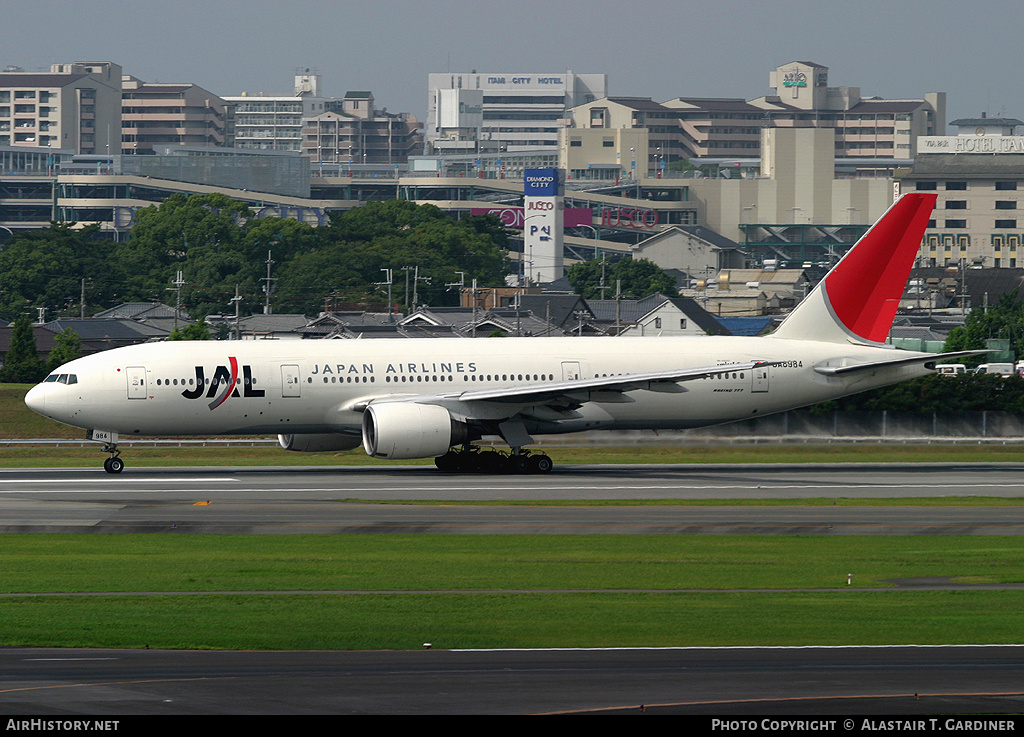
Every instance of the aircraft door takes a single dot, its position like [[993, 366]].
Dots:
[[759, 377], [290, 386], [137, 388], [570, 370]]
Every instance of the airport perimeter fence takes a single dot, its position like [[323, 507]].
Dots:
[[799, 426]]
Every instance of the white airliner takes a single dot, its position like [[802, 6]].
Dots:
[[407, 398]]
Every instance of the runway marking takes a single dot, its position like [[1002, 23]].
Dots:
[[789, 699], [153, 486], [107, 480]]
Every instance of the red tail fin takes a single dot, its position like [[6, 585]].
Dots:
[[859, 297]]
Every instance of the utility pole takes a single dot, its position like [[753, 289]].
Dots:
[[387, 273], [269, 286], [416, 286], [474, 308], [82, 310], [238, 301], [407, 269], [618, 305], [178, 283]]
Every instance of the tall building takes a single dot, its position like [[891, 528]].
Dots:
[[978, 176], [176, 113], [504, 112], [74, 106], [353, 131], [865, 128], [871, 135], [274, 123]]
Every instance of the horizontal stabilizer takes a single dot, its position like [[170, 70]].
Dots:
[[928, 361]]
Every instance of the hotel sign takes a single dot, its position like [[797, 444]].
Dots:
[[970, 145]]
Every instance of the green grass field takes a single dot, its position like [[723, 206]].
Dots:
[[459, 591], [456, 591]]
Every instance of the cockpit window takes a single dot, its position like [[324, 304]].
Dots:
[[51, 377], [62, 378]]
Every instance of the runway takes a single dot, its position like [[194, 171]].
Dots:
[[334, 501], [700, 681], [727, 681]]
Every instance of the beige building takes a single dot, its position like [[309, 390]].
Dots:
[[600, 153], [358, 133], [979, 179], [867, 133], [74, 106], [175, 113]]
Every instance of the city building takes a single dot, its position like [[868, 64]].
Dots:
[[870, 135], [73, 106], [274, 122], [503, 111], [353, 131], [175, 113], [978, 176]]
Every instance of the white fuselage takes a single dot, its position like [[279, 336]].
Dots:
[[322, 386]]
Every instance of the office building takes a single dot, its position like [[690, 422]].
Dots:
[[504, 111], [73, 106]]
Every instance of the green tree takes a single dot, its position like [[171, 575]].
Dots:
[[22, 364], [68, 348], [640, 278], [196, 234], [198, 330], [358, 244], [45, 268], [1003, 320]]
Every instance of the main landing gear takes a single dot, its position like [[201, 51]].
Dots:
[[475, 460], [113, 464]]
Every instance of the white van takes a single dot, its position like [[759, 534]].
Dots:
[[1003, 369]]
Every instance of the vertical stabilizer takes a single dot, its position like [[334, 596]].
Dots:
[[857, 300]]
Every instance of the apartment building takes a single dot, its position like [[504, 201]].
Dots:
[[170, 113], [353, 131], [274, 122], [73, 106]]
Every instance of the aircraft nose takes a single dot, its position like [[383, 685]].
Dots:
[[36, 399]]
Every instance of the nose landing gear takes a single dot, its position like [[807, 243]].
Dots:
[[113, 464]]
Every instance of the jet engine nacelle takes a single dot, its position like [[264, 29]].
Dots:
[[318, 442], [410, 430]]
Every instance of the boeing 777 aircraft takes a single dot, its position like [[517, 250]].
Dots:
[[407, 398]]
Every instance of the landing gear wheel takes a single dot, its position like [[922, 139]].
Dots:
[[448, 463], [541, 464], [518, 464], [113, 465]]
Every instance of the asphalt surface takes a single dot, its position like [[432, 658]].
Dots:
[[728, 681], [318, 500]]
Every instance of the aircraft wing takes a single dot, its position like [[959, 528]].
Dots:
[[584, 390], [874, 365]]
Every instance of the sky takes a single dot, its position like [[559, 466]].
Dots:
[[648, 48]]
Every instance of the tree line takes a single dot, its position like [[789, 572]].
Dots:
[[218, 246]]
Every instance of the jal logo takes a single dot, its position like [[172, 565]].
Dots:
[[224, 383]]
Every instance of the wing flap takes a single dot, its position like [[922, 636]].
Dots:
[[603, 388]]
